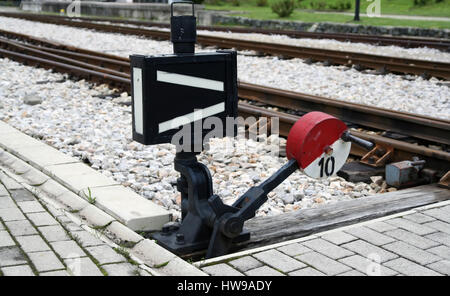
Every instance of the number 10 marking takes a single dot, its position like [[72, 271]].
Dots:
[[328, 171]]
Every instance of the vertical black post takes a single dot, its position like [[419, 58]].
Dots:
[[357, 11], [183, 30]]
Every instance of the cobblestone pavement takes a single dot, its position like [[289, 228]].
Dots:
[[39, 239], [414, 243]]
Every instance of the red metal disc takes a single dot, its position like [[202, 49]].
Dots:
[[314, 136]]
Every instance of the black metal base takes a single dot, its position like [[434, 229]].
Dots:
[[179, 247]]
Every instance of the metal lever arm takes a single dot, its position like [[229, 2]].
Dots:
[[346, 136], [257, 196], [229, 220]]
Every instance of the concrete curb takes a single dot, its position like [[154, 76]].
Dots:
[[93, 216], [75, 176]]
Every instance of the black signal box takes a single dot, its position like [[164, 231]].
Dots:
[[170, 91]]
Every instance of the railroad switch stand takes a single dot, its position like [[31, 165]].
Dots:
[[167, 92]]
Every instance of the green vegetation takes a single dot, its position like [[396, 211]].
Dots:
[[92, 200], [304, 11], [283, 8], [9, 3]]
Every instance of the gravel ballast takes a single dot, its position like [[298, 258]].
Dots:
[[82, 120], [402, 93]]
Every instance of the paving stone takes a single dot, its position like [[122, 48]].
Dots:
[[121, 203], [380, 226], [23, 227], [30, 207], [279, 261], [82, 267], [221, 269], [105, 254], [121, 269], [22, 195], [5, 239], [11, 256], [3, 191], [42, 219], [245, 263], [441, 267], [19, 167], [411, 226], [72, 227], [441, 251], [55, 212], [6, 203], [327, 248], [445, 208], [294, 249], [179, 267], [409, 268], [438, 214], [440, 237], [45, 261], [32, 243], [151, 253], [55, 273], [370, 235], [52, 188], [19, 270], [308, 271], [1, 225], [263, 271], [47, 155], [338, 237], [11, 214], [352, 273], [86, 239], [367, 266], [73, 201], [412, 239], [35, 177], [439, 225], [323, 263], [365, 249], [68, 249], [78, 176], [54, 233], [123, 234], [419, 218], [9, 183], [412, 253]]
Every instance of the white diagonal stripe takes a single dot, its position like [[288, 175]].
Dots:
[[191, 117], [189, 80]]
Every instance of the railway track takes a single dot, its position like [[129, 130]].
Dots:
[[406, 42], [383, 64], [103, 68]]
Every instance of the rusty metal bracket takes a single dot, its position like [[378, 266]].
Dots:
[[445, 181], [378, 156]]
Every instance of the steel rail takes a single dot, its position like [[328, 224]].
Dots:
[[378, 62], [422, 127], [439, 160], [33, 51], [407, 42], [74, 71], [419, 126]]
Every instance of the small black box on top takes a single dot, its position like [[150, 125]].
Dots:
[[170, 91]]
